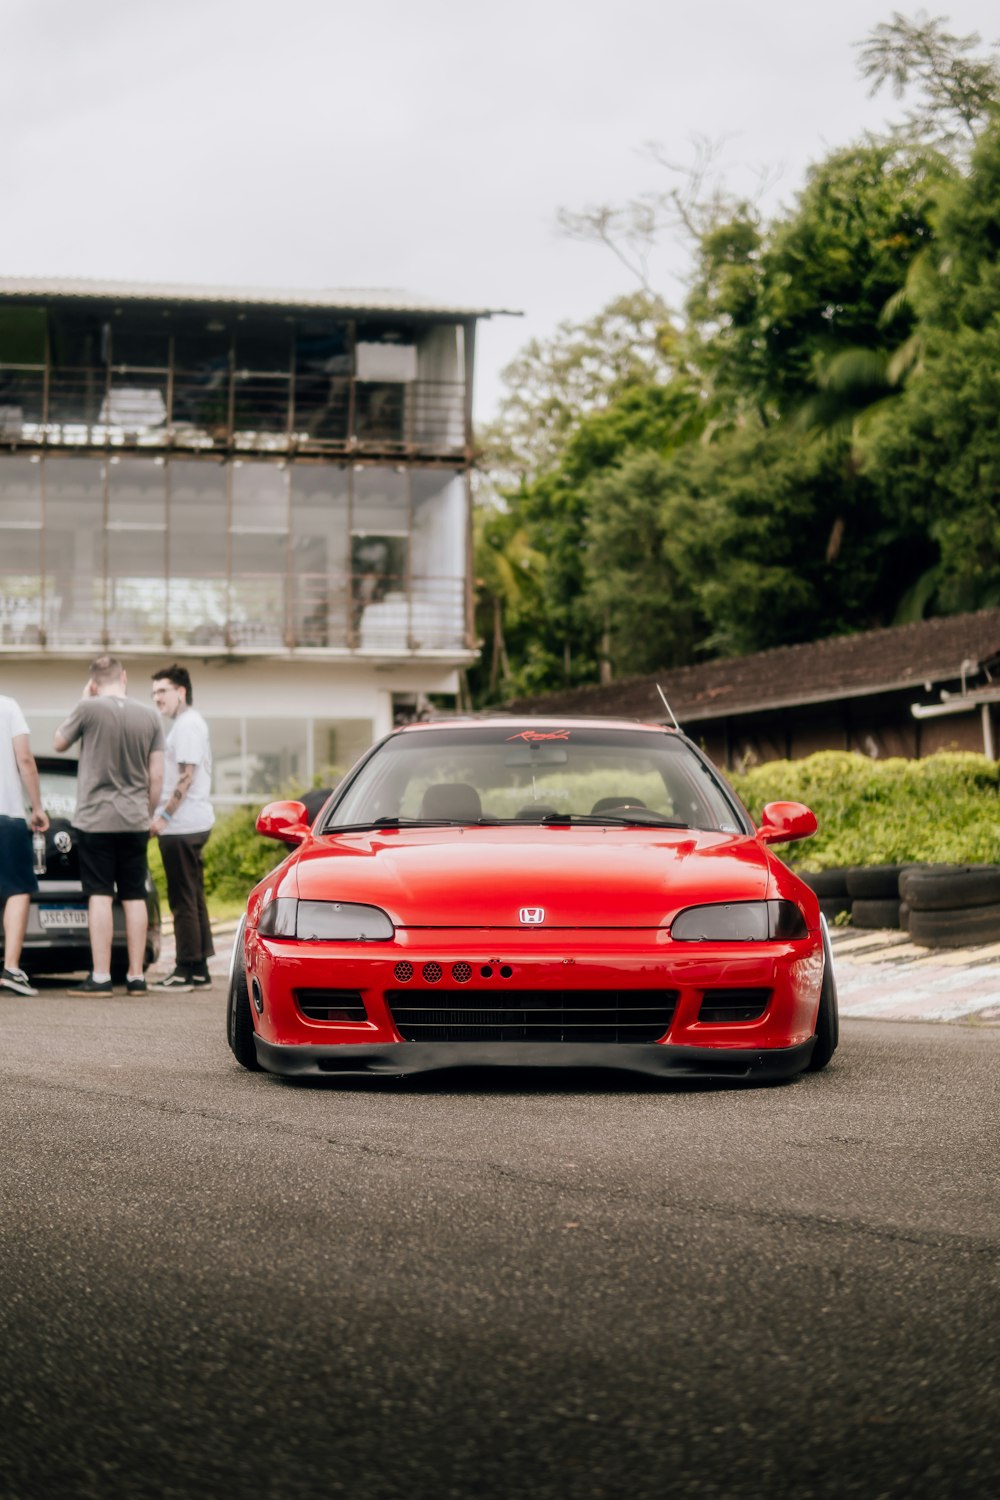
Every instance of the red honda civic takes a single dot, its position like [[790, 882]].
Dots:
[[533, 892]]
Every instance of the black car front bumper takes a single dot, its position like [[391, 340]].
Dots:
[[659, 1060]]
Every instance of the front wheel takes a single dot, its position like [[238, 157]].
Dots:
[[239, 1022], [827, 1033]]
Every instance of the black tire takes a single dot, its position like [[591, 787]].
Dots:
[[827, 1033], [875, 914], [944, 888], [239, 1021], [955, 929], [904, 917], [832, 906], [874, 882], [827, 882]]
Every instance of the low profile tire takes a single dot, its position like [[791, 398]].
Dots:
[[239, 1022], [875, 914], [955, 929], [945, 889], [874, 882], [827, 1031]]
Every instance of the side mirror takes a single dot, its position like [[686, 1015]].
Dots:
[[782, 822], [287, 821]]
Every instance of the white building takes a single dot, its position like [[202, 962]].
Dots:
[[272, 488]]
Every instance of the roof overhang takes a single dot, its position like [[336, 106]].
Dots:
[[347, 300]]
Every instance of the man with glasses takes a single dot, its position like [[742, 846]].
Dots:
[[183, 822]]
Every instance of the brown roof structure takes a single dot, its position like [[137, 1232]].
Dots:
[[962, 649]]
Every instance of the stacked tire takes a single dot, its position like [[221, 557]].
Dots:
[[952, 906], [875, 896]]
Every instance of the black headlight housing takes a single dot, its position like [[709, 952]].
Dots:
[[739, 922], [325, 921]]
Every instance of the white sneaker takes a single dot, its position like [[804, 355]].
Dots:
[[16, 980]]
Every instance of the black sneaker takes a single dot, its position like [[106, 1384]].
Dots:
[[16, 980], [136, 987], [92, 986], [200, 981], [178, 980]]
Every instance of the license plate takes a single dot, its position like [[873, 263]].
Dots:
[[62, 916]]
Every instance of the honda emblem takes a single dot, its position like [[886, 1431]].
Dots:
[[532, 916]]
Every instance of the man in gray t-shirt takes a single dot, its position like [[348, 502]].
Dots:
[[118, 787]]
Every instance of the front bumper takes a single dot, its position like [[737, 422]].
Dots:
[[658, 1059]]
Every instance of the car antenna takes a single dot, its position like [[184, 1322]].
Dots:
[[666, 705]]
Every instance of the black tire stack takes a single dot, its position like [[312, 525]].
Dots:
[[874, 892], [952, 906]]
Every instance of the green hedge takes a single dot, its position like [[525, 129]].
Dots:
[[945, 808]]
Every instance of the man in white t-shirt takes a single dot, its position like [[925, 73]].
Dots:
[[183, 822], [18, 776]]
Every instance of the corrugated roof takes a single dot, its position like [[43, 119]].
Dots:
[[848, 666], [332, 299]]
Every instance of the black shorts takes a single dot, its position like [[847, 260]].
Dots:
[[108, 860], [17, 859]]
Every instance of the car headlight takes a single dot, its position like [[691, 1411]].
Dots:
[[739, 922], [325, 921]]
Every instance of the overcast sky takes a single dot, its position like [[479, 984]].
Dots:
[[423, 144]]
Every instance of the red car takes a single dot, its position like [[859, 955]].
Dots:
[[507, 891]]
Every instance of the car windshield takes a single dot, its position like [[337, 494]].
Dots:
[[510, 773], [58, 791]]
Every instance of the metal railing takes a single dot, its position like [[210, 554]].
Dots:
[[229, 410]]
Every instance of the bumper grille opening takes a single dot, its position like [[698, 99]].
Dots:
[[478, 1015], [331, 1005], [733, 1005]]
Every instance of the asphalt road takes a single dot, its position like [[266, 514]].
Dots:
[[220, 1284]]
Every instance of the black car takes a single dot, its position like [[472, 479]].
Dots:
[[56, 940]]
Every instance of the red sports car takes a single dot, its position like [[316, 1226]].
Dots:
[[529, 891]]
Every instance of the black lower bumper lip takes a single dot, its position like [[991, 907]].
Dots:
[[764, 1065]]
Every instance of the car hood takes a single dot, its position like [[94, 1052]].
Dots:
[[483, 877]]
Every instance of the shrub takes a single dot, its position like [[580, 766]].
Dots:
[[945, 808]]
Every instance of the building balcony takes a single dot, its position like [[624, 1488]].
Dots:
[[227, 411]]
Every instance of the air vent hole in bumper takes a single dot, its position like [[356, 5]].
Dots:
[[331, 1005], [733, 1005]]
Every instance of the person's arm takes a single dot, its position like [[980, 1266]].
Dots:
[[155, 778], [28, 771], [185, 776], [70, 729]]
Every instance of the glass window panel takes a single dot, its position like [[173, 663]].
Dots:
[[257, 590], [320, 555], [21, 610], [227, 758], [438, 559], [198, 553], [381, 501], [260, 497], [137, 495], [276, 756], [337, 744], [20, 491], [136, 589], [74, 550], [22, 335], [379, 612]]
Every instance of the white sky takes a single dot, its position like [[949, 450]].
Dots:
[[424, 144]]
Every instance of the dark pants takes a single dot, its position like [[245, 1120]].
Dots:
[[181, 855]]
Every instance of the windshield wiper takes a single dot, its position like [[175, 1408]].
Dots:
[[643, 817], [403, 822]]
